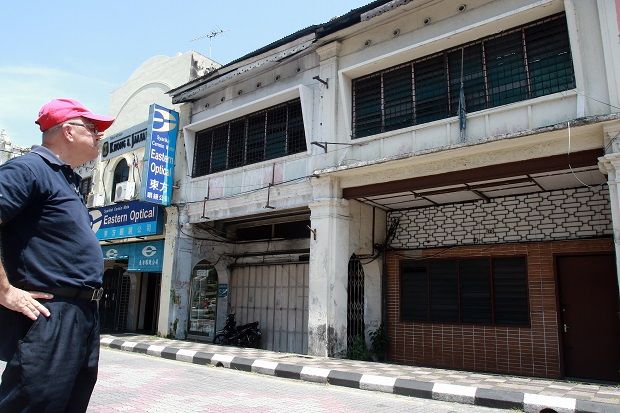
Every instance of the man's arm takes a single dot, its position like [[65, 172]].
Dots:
[[19, 300]]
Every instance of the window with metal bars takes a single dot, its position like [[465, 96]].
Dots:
[[465, 291], [518, 64], [85, 186], [271, 133]]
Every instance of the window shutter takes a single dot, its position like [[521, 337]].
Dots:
[[444, 291], [548, 57], [510, 290], [473, 79], [275, 139], [414, 292], [237, 143], [506, 69], [202, 154], [398, 98], [296, 138], [431, 89], [367, 106], [475, 283], [219, 149], [256, 138]]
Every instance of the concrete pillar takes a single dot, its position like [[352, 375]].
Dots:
[[171, 233], [329, 259], [609, 164]]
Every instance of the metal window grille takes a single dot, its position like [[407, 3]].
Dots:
[[355, 301], [522, 63], [271, 133]]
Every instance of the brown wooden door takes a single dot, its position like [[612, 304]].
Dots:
[[589, 316]]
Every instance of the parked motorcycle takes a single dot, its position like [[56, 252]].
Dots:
[[246, 335]]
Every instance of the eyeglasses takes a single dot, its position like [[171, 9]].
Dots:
[[89, 127]]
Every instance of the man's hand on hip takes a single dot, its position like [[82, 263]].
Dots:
[[24, 302]]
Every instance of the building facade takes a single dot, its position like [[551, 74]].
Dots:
[[446, 169], [132, 229]]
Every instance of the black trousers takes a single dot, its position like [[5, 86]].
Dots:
[[54, 361]]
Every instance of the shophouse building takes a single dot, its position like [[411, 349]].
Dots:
[[131, 225], [446, 168]]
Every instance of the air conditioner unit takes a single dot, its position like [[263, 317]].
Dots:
[[95, 200], [124, 191]]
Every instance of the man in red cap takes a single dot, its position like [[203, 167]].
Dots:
[[51, 267]]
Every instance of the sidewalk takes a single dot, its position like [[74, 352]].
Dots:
[[509, 392]]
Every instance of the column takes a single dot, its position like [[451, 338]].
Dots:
[[329, 258], [609, 164]]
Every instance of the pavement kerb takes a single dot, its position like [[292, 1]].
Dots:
[[497, 398]]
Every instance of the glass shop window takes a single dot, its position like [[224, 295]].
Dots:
[[203, 301]]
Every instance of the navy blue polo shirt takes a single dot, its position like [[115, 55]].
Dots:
[[47, 240]]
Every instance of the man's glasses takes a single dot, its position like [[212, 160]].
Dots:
[[89, 127]]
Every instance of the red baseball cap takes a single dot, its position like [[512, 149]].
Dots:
[[60, 110]]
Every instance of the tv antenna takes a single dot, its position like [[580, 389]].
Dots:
[[210, 36]]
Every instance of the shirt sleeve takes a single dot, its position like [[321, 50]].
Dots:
[[17, 185]]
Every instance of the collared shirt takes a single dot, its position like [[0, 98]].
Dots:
[[47, 240]]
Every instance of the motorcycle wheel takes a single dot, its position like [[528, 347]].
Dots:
[[251, 339], [220, 339]]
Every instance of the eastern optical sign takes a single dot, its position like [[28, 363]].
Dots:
[[125, 141], [161, 142], [129, 219], [141, 256]]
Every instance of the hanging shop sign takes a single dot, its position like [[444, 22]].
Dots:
[[142, 256], [125, 141], [161, 142], [129, 219]]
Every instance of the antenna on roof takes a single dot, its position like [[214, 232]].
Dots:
[[210, 35]]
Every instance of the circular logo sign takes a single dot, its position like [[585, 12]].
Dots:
[[149, 251]]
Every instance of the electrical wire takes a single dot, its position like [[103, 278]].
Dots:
[[568, 156]]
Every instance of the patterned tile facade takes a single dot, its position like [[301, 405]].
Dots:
[[544, 216], [532, 224]]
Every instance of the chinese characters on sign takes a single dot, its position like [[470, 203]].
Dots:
[[163, 127], [130, 219]]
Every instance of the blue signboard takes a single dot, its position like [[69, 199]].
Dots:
[[161, 143], [129, 219], [143, 256]]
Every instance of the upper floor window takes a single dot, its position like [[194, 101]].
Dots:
[[121, 174], [522, 63], [267, 134]]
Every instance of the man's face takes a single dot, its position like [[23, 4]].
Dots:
[[86, 139]]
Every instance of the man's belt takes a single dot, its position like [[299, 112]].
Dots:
[[91, 294]]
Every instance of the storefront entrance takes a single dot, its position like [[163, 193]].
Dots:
[[151, 302], [114, 304], [589, 323], [276, 296]]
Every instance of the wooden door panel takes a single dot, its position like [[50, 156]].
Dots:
[[589, 316]]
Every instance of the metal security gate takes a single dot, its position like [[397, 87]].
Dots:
[[277, 297], [115, 301], [355, 301]]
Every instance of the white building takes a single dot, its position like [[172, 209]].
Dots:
[[333, 184], [134, 249]]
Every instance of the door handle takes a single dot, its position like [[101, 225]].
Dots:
[[565, 328]]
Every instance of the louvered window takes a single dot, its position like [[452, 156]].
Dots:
[[272, 133], [468, 291], [518, 64]]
